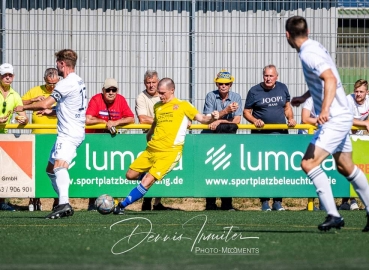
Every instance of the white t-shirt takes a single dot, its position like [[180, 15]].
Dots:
[[315, 60], [308, 105], [70, 95], [145, 104], [360, 111]]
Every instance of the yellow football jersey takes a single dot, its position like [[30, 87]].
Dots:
[[171, 124]]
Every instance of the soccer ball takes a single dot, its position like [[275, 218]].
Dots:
[[104, 204]]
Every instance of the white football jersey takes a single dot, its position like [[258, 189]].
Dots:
[[315, 60], [70, 95], [360, 111]]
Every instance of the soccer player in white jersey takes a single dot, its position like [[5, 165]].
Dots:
[[334, 122], [70, 95]]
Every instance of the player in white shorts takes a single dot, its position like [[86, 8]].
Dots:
[[334, 122], [70, 95]]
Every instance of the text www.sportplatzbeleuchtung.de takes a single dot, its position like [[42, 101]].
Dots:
[[259, 181], [100, 181]]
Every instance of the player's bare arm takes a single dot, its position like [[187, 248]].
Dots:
[[47, 103], [297, 101], [207, 119], [330, 87]]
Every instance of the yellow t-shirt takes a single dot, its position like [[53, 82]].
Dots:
[[171, 124], [12, 100], [37, 119]]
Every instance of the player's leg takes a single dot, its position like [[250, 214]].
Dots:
[[356, 177], [158, 164], [137, 169], [61, 157], [311, 161]]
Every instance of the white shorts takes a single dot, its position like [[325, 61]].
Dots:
[[63, 150], [334, 136]]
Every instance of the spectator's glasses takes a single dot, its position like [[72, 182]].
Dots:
[[224, 83], [114, 90], [4, 106], [50, 84]]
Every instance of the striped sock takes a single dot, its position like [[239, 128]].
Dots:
[[324, 190], [135, 194], [358, 180]]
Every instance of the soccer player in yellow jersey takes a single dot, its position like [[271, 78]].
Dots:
[[165, 141]]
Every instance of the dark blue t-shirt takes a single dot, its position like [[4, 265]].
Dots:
[[268, 105]]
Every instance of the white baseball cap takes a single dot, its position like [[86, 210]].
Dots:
[[6, 68], [110, 82]]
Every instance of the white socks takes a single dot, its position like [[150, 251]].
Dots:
[[358, 180], [324, 190], [62, 182], [53, 182]]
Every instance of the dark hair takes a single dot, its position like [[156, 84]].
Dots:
[[297, 26], [68, 56]]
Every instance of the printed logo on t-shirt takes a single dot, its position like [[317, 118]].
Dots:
[[272, 101]]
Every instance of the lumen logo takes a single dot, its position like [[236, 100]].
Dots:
[[218, 158]]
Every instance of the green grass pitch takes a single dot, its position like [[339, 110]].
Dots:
[[182, 240]]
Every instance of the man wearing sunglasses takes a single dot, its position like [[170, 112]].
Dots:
[[108, 108], [229, 106], [35, 94], [269, 103], [9, 99]]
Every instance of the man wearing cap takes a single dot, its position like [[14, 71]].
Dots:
[[9, 99], [109, 108], [269, 103], [228, 104]]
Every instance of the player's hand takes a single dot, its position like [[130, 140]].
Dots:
[[259, 123], [215, 115], [19, 109], [291, 122], [323, 117], [297, 101], [45, 112]]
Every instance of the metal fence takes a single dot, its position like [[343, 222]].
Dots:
[[189, 41]]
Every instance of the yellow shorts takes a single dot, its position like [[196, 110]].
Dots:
[[158, 164]]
